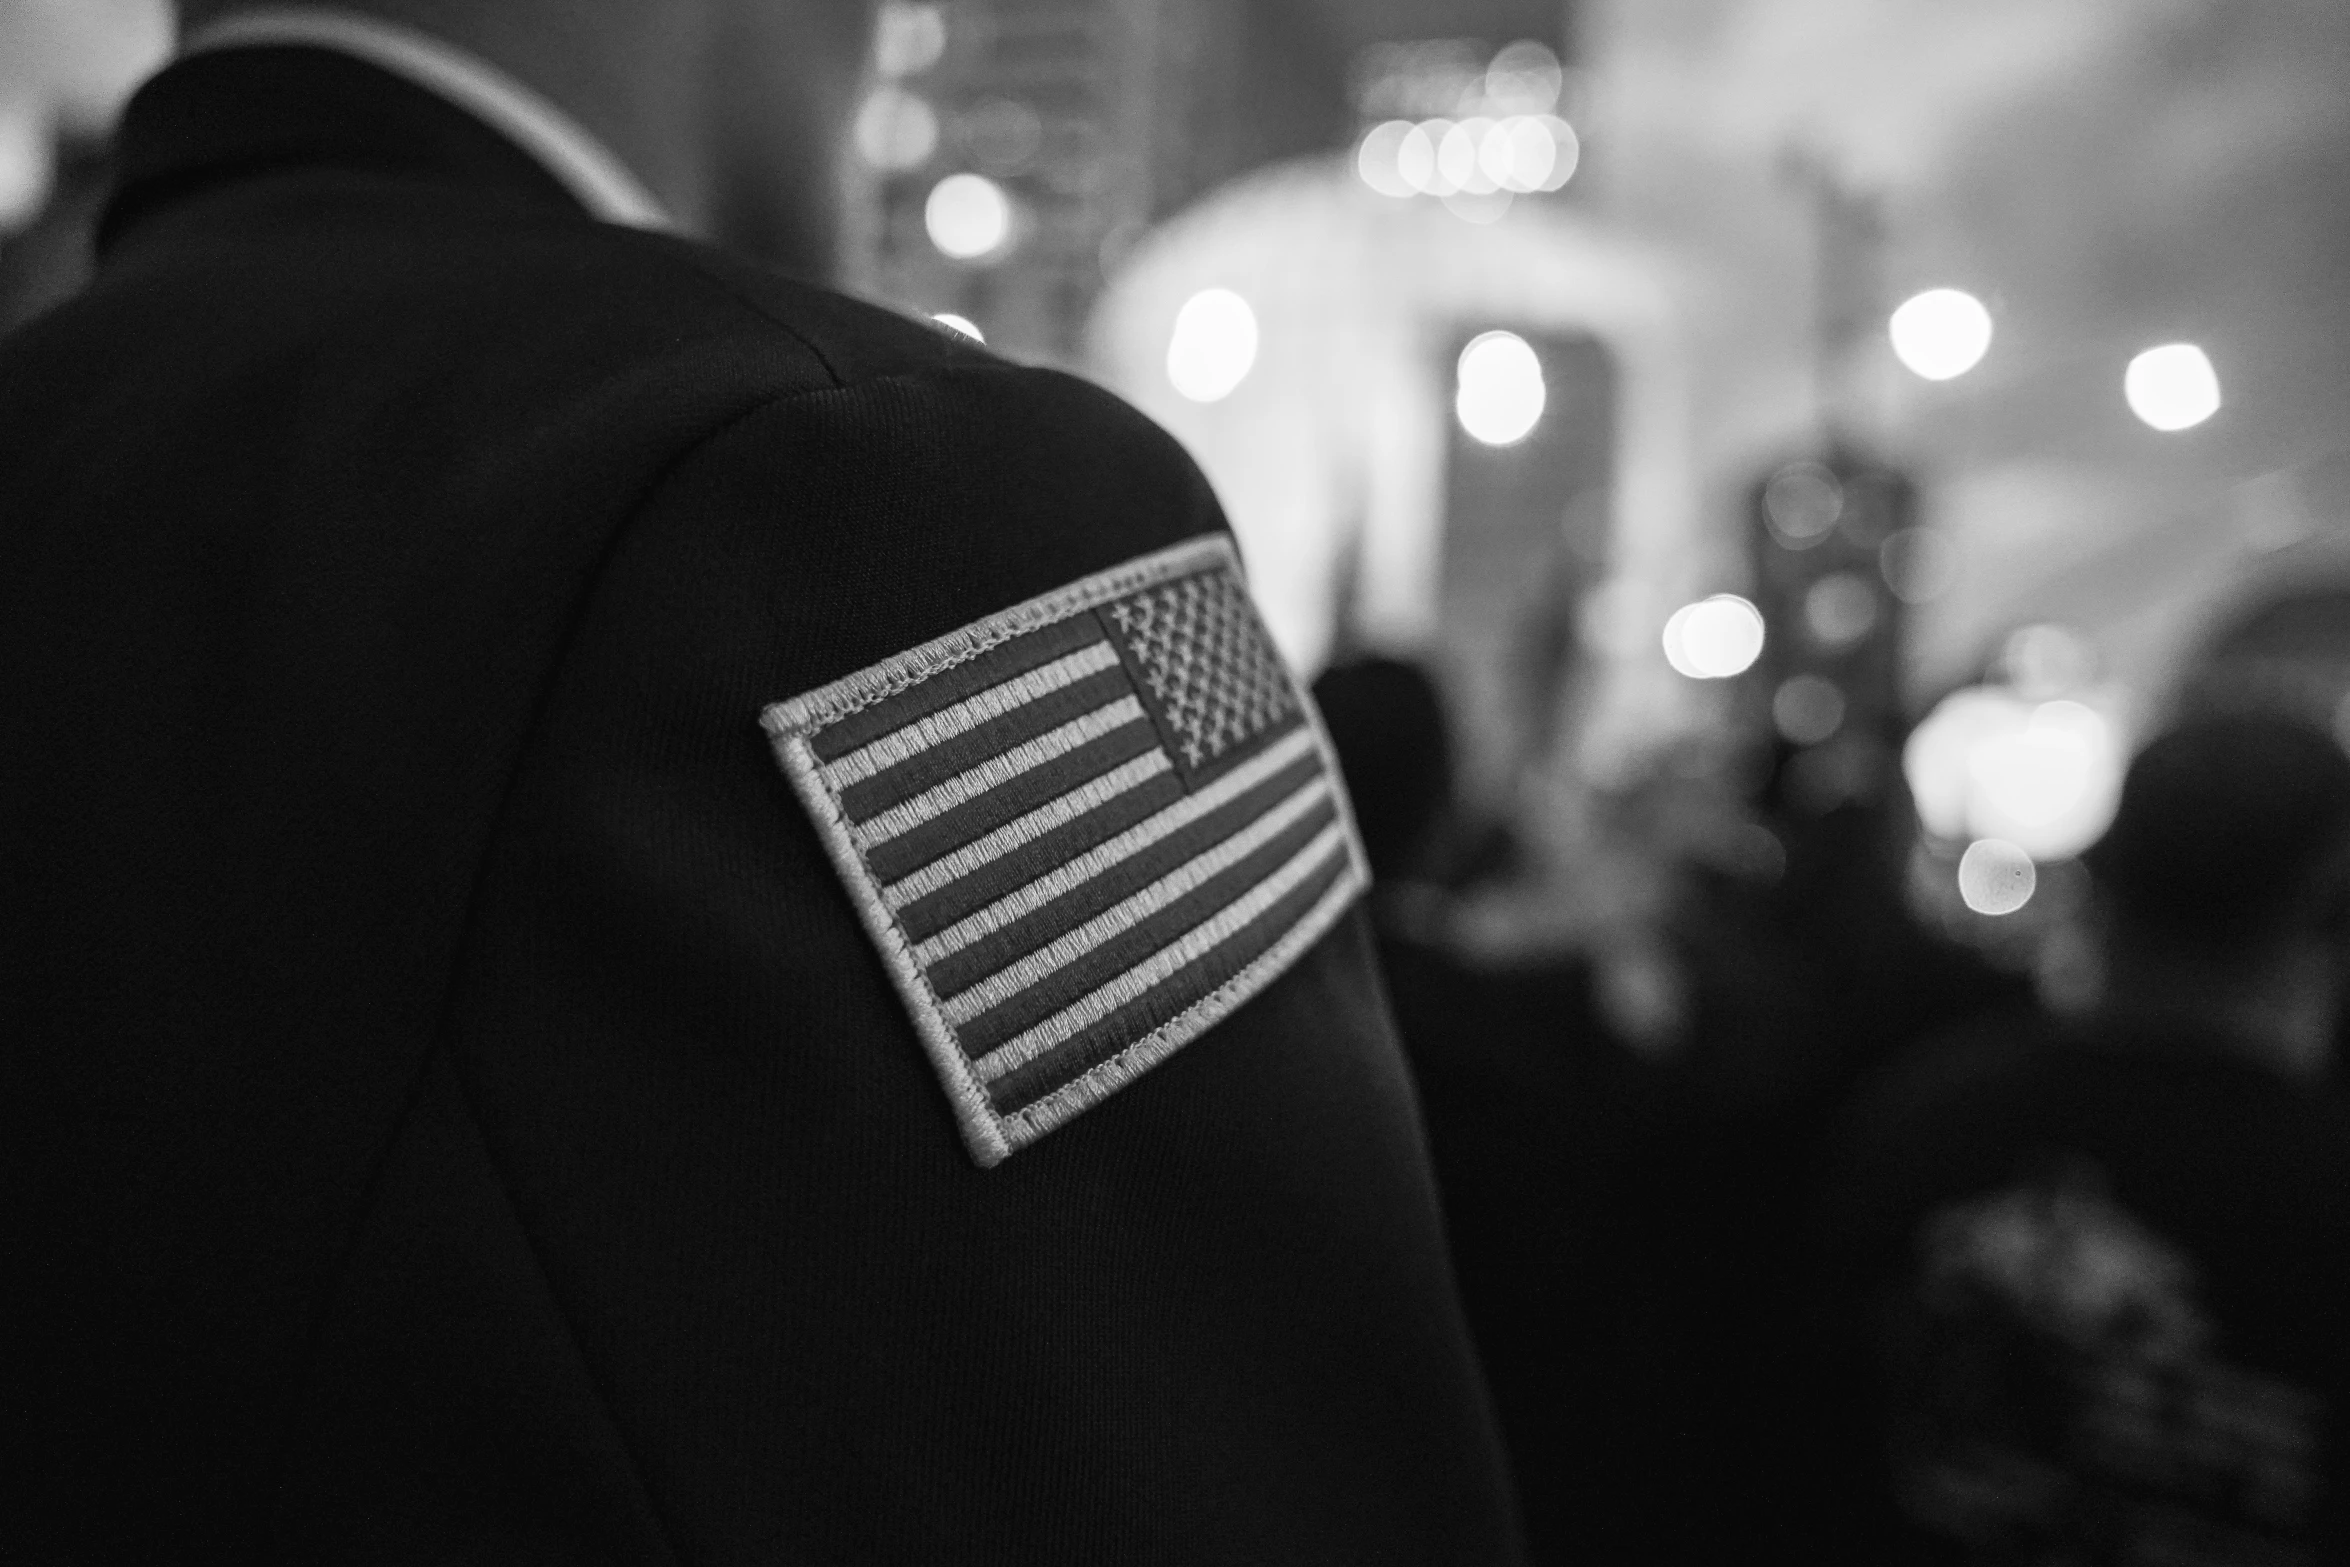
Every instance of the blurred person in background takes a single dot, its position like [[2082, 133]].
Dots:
[[2090, 1279], [473, 1095], [1560, 1152], [1807, 972]]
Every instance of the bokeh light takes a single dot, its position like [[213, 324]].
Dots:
[[1807, 709], [1501, 392], [896, 130], [2172, 387], [1415, 159], [1801, 503], [2032, 778], [908, 39], [1569, 153], [1214, 345], [962, 324], [1459, 161], [1990, 763], [1525, 75], [968, 216], [1840, 609], [1996, 877], [1941, 333], [1379, 160], [1437, 181], [1714, 638], [1522, 153], [1918, 564]]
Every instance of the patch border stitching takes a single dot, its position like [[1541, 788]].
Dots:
[[990, 1137]]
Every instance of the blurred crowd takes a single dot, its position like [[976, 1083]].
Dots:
[[1823, 1232]]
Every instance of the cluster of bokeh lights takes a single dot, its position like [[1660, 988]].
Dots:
[[2025, 773], [1478, 156]]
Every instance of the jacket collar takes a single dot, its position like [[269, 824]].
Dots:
[[252, 108], [585, 166]]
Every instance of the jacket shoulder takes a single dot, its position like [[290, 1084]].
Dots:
[[857, 340]]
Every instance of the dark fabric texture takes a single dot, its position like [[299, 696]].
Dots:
[[2182, 1148], [1565, 1165], [452, 1111]]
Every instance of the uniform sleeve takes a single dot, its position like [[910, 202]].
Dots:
[[1208, 1320]]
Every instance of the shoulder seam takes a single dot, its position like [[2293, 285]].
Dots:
[[682, 252]]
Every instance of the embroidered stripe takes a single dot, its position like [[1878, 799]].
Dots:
[[1048, 920], [997, 771], [1094, 969], [959, 898], [943, 688], [1327, 848], [1019, 834], [1036, 894], [1291, 925], [951, 758], [903, 744], [1005, 983], [939, 837]]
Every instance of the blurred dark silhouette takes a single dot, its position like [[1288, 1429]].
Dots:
[[1560, 1157], [2085, 1279], [1387, 721], [1628, 1222], [1802, 984]]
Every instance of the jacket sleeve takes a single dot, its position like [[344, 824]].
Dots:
[[1209, 1320]]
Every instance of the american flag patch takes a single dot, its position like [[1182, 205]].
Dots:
[[1080, 831]]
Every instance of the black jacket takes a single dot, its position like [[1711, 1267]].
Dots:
[[453, 1111], [2086, 1291]]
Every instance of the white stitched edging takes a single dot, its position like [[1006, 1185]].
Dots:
[[982, 1128], [827, 705]]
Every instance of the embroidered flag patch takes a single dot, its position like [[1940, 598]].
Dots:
[[1080, 831]]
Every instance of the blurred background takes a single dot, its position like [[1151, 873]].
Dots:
[[1974, 370], [1797, 449]]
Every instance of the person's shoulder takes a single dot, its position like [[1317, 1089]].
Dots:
[[882, 401], [476, 292], [855, 340], [683, 293]]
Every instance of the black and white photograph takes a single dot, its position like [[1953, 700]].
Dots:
[[1175, 783]]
